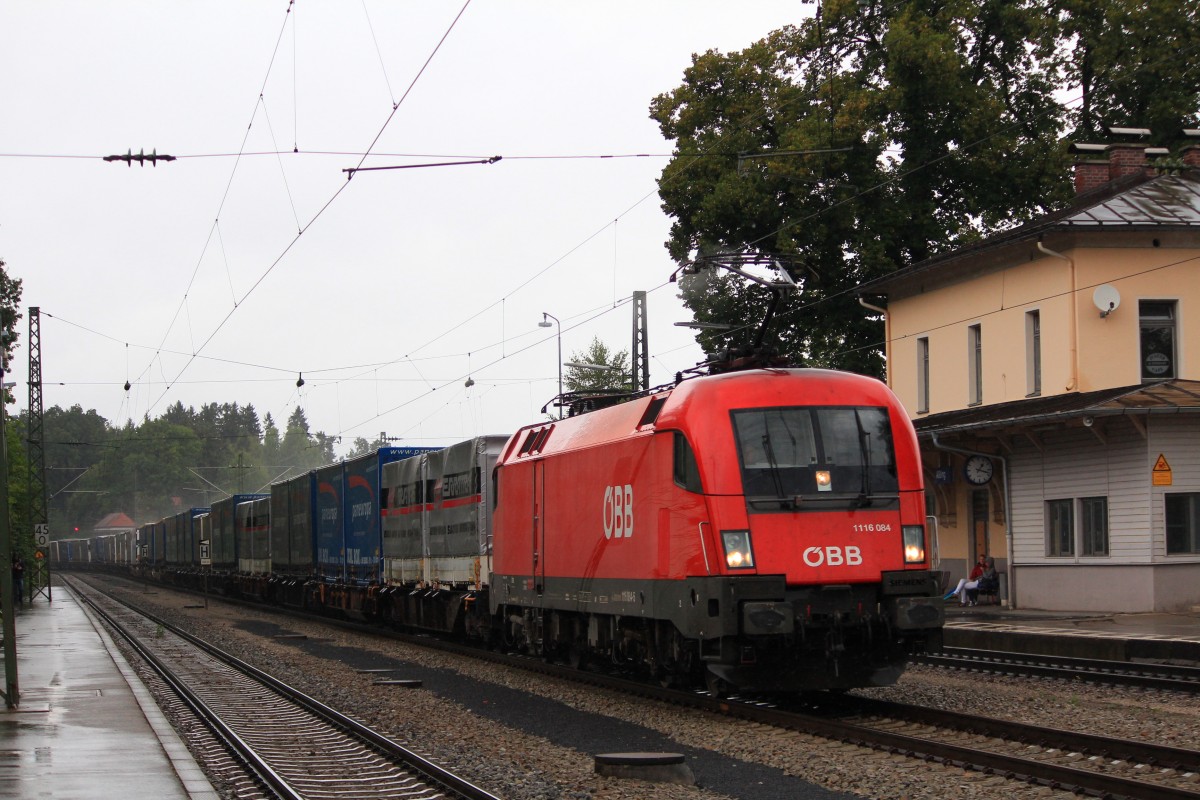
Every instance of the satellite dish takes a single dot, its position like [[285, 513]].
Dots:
[[1106, 298]]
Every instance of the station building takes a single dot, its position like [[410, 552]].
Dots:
[[1053, 375]]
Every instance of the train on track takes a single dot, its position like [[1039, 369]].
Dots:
[[756, 530]]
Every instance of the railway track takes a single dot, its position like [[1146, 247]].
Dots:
[[1159, 769], [1116, 673], [1087, 764], [283, 743]]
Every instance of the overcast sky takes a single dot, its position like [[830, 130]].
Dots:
[[189, 280]]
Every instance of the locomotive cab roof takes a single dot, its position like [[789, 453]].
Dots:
[[694, 403]]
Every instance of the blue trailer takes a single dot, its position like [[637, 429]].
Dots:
[[349, 541], [329, 536]]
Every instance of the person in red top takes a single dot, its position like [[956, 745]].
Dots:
[[969, 584], [18, 577]]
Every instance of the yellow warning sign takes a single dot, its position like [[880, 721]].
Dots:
[[1161, 474]]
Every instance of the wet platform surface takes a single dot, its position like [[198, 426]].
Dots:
[[85, 726], [1120, 637]]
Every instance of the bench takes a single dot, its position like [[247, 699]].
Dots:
[[990, 595]]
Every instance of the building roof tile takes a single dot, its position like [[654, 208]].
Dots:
[[1134, 201]]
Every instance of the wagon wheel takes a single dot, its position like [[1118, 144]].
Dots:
[[716, 686], [577, 655]]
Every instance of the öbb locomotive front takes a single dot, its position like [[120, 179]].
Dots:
[[763, 530]]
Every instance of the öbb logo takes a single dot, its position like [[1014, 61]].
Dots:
[[618, 511], [833, 556]]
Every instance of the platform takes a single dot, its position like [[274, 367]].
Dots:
[[1162, 637], [85, 726]]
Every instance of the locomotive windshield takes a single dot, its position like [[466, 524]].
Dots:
[[816, 457]]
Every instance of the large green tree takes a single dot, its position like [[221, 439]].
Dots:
[[77, 441], [1133, 63], [10, 315], [867, 139], [15, 434]]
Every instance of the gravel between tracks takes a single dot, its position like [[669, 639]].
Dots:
[[516, 763]]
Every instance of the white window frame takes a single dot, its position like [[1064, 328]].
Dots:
[[975, 364], [1033, 353], [923, 375]]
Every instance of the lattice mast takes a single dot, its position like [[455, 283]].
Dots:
[[39, 516]]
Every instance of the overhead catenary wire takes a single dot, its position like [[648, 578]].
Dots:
[[807, 306], [337, 193]]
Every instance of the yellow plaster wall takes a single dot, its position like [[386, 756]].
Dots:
[[997, 303], [1107, 349]]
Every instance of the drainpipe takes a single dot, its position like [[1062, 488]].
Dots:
[[1073, 384], [1008, 520], [887, 337]]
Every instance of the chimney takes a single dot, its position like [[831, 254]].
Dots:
[[1191, 153], [1092, 169], [1125, 159]]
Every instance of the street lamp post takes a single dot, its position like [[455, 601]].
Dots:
[[545, 323]]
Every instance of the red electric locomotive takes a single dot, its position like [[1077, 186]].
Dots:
[[761, 530]]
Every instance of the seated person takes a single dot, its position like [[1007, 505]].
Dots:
[[989, 581], [966, 586]]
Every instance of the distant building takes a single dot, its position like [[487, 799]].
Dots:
[[112, 540], [113, 523], [1053, 376]]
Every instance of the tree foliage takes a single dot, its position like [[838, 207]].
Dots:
[[1133, 63], [878, 135], [10, 315], [585, 379], [182, 459]]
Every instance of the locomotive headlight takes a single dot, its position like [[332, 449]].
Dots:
[[738, 552], [824, 481], [914, 544]]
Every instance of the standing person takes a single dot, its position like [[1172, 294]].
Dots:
[[969, 584], [18, 576]]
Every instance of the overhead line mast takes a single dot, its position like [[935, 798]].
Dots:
[[39, 516]]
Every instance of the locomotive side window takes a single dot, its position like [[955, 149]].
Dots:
[[687, 471], [527, 445], [819, 455], [652, 408]]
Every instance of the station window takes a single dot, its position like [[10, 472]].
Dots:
[[1093, 521], [1033, 353], [1157, 324], [923, 375], [1183, 523], [975, 364], [1060, 527]]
